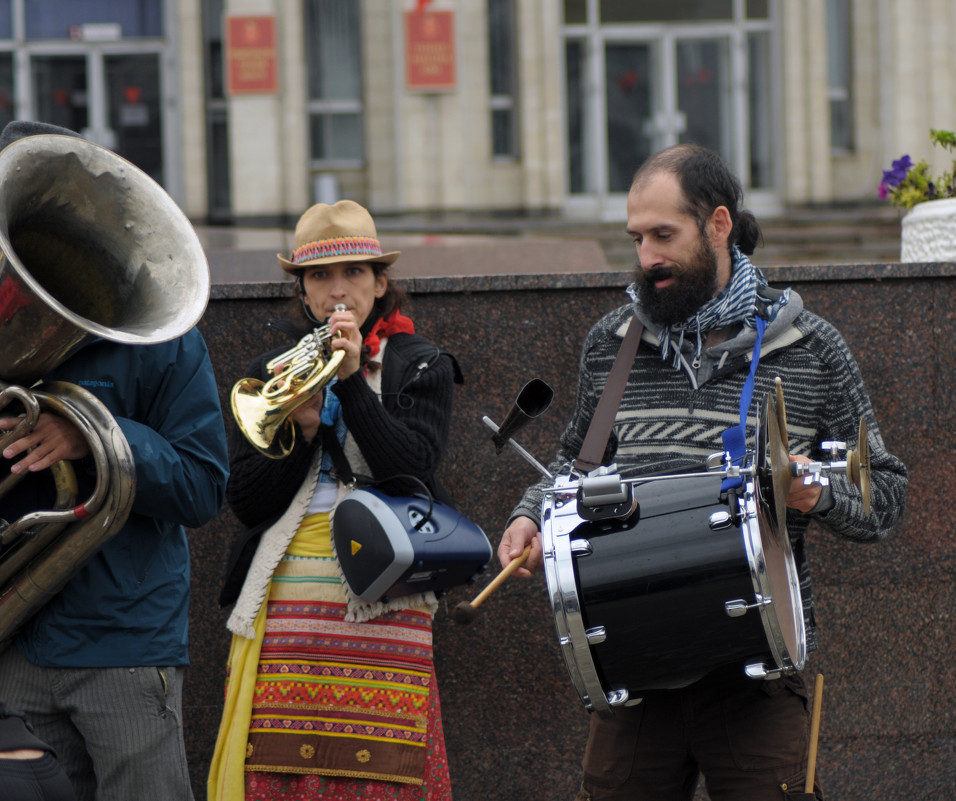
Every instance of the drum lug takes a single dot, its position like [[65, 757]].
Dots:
[[621, 698], [720, 520], [739, 607], [581, 547], [596, 635], [759, 670]]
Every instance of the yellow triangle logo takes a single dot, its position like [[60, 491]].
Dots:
[[356, 547]]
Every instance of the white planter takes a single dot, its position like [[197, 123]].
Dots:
[[929, 232]]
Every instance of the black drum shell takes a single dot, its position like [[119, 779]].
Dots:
[[659, 588]]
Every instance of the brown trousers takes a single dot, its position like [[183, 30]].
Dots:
[[749, 739]]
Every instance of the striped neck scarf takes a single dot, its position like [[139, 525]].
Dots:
[[736, 303]]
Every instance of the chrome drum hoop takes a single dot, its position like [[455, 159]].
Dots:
[[773, 571], [559, 518]]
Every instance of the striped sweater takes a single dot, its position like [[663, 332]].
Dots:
[[671, 418]]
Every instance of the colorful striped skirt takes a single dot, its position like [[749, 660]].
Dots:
[[318, 707]]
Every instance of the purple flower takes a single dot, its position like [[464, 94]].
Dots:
[[897, 175]]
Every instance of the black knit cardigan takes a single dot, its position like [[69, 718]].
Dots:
[[403, 434]]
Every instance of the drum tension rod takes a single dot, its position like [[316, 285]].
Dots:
[[740, 607]]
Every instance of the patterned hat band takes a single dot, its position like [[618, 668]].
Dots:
[[339, 246]]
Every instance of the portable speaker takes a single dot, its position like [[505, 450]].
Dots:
[[390, 546]]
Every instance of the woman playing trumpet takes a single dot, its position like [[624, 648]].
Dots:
[[328, 696]]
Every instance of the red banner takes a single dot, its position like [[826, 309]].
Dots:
[[430, 51], [251, 56]]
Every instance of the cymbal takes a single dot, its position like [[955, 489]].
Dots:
[[858, 466], [782, 413], [779, 463]]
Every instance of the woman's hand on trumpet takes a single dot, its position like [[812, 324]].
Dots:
[[309, 416], [521, 532], [52, 439], [346, 336]]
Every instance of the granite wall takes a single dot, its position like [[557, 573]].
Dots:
[[514, 726]]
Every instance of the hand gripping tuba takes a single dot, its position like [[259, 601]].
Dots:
[[90, 246]]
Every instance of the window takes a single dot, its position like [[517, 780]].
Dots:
[[55, 19], [760, 113], [575, 12], [213, 36], [501, 61], [574, 59], [217, 119], [60, 86], [333, 55], [839, 67], [665, 10], [6, 89], [6, 19]]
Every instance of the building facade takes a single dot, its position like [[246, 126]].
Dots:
[[247, 111]]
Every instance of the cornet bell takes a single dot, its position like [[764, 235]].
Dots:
[[262, 408]]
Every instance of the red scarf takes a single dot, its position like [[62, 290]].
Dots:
[[395, 323]]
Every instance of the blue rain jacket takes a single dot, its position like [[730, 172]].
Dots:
[[128, 606]]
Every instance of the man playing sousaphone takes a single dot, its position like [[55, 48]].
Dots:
[[98, 670], [705, 310]]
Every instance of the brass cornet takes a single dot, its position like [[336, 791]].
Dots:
[[262, 408]]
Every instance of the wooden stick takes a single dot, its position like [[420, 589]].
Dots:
[[496, 582], [814, 732], [465, 612]]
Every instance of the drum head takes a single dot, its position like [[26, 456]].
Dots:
[[775, 574], [777, 582]]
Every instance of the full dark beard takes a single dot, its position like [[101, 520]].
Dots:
[[694, 284]]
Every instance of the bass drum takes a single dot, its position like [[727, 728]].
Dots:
[[659, 603]]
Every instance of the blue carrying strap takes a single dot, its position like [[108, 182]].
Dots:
[[735, 438]]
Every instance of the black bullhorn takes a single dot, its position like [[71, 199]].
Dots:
[[533, 400]]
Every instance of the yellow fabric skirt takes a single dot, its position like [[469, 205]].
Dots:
[[297, 581]]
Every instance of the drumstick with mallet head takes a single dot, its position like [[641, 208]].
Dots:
[[465, 612]]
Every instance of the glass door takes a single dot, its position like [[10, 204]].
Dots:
[[661, 94], [133, 110], [632, 97], [112, 99], [60, 94], [636, 86], [704, 98]]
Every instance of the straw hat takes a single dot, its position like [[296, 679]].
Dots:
[[325, 234]]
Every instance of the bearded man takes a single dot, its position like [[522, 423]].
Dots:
[[708, 315]]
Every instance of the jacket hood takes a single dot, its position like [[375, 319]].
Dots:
[[780, 332]]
